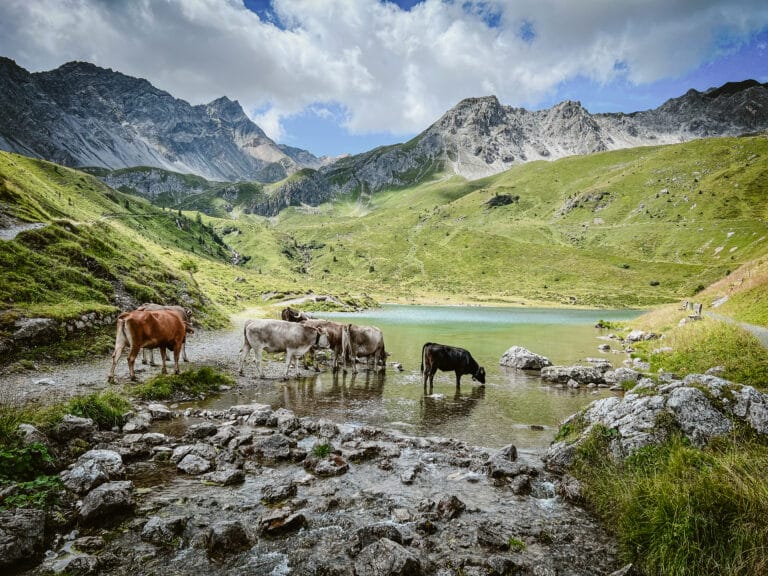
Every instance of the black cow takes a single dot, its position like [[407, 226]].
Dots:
[[436, 357]]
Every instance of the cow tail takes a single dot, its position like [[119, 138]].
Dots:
[[422, 357]]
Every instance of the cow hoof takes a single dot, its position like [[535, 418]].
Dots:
[[134, 379]]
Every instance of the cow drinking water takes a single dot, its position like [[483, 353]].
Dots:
[[436, 357]]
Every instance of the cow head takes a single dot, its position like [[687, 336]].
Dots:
[[322, 338], [479, 375]]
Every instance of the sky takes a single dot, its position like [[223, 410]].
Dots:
[[344, 76]]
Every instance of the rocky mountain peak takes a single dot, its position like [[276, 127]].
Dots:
[[226, 109]]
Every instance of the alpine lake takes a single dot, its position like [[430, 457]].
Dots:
[[514, 407]]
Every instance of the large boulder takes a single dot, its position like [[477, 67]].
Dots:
[[702, 407], [36, 331], [107, 503], [524, 359], [92, 469]]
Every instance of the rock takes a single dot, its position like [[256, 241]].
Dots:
[[272, 448], [92, 469], [224, 477], [492, 535], [752, 406], [44, 382], [36, 331], [22, 536], [334, 465], [698, 419], [621, 375], [89, 543], [450, 507], [164, 531], [286, 421], [386, 558], [107, 503], [159, 411], [194, 464], [138, 423], [72, 426], [523, 359], [409, 474], [604, 347], [30, 435], [274, 493], [580, 374], [204, 451], [280, 521], [79, 565], [639, 335], [573, 384], [201, 430], [367, 535], [227, 538], [569, 488]]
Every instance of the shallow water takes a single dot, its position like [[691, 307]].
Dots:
[[513, 407]]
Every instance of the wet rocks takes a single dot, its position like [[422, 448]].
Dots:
[[281, 521], [93, 468], [450, 507], [519, 357], [107, 503], [22, 536], [387, 558], [164, 531], [227, 537], [275, 493]]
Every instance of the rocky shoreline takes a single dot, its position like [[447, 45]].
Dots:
[[249, 490]]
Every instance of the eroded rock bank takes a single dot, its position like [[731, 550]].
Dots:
[[251, 490]]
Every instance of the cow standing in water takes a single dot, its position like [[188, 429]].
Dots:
[[279, 336], [148, 329], [436, 357], [365, 341]]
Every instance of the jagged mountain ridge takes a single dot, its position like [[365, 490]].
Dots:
[[82, 115]]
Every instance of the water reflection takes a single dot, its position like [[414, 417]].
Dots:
[[305, 396], [436, 410]]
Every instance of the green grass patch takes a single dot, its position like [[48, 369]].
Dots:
[[190, 384], [106, 409], [321, 450], [678, 510], [698, 346]]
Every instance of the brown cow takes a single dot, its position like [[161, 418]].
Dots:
[[292, 315], [184, 314], [334, 332], [148, 329]]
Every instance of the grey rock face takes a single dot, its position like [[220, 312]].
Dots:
[[83, 115], [72, 426], [519, 357], [22, 534], [36, 331], [163, 531]]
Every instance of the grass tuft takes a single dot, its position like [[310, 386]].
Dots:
[[190, 384]]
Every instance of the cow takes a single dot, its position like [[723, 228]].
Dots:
[[184, 314], [148, 329], [279, 336], [335, 340], [363, 341], [436, 357], [292, 315]]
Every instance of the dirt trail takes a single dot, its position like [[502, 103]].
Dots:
[[48, 384]]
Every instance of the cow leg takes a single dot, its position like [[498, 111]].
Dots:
[[289, 356], [163, 359], [176, 352], [353, 358], [184, 350], [133, 354], [246, 349], [458, 379], [120, 343], [258, 353]]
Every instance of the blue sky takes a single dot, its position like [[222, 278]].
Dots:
[[345, 76]]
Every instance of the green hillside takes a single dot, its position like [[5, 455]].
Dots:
[[625, 228]]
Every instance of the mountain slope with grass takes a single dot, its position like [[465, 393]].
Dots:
[[632, 227], [75, 250]]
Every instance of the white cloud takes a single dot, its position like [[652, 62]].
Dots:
[[391, 70]]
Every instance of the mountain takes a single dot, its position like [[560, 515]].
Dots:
[[480, 137], [82, 115]]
